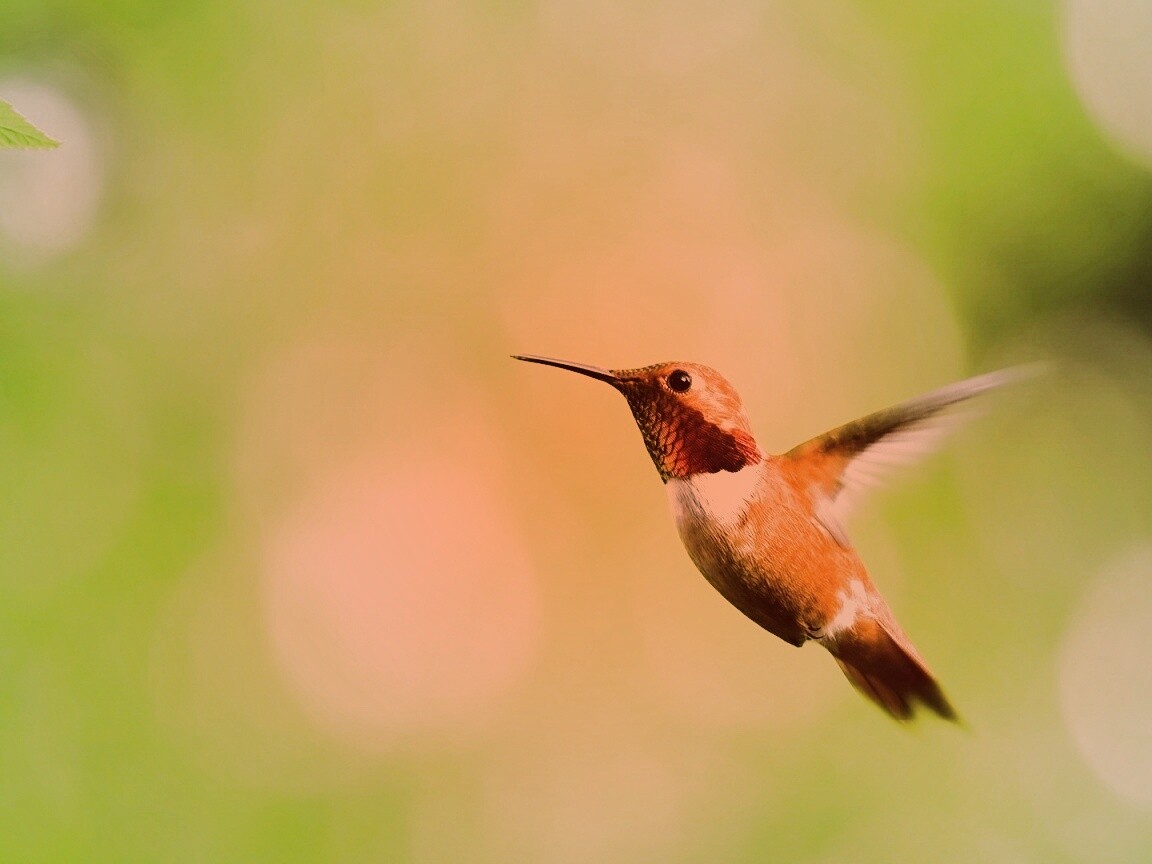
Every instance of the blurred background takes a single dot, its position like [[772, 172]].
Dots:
[[299, 566]]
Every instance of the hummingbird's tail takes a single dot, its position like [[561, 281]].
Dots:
[[883, 665]]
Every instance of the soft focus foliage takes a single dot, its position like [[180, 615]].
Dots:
[[300, 567], [17, 132]]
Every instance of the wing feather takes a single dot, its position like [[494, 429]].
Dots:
[[855, 457]]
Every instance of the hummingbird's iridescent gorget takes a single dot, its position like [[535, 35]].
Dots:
[[679, 438]]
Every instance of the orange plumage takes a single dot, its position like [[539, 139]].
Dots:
[[767, 531]]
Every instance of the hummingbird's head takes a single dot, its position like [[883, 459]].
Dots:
[[692, 419]]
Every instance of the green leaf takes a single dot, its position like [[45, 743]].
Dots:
[[15, 131]]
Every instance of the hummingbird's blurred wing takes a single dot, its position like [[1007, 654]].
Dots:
[[859, 455]]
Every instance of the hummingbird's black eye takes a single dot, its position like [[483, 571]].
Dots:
[[679, 380]]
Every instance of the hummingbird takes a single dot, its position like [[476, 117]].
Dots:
[[767, 531]]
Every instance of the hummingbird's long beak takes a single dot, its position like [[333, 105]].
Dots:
[[583, 368]]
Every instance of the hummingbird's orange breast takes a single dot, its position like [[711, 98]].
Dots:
[[753, 535]]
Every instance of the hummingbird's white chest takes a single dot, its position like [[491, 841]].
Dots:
[[717, 501]]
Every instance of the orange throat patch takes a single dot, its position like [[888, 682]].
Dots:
[[682, 442]]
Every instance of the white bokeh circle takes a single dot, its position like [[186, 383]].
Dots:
[[50, 196], [1108, 50], [1106, 677]]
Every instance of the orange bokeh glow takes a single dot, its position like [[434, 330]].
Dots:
[[399, 600]]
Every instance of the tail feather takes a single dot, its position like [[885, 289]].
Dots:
[[886, 668]]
